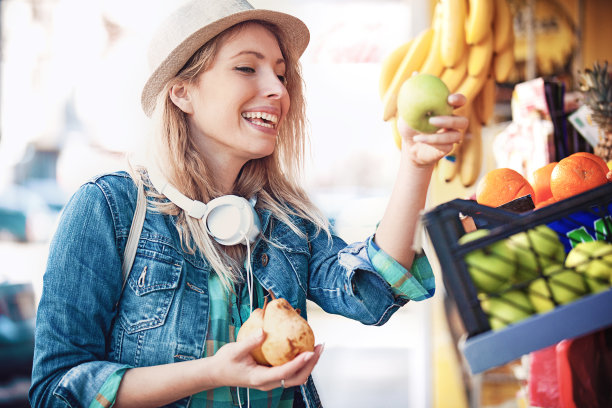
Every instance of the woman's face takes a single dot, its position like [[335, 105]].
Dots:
[[240, 101]]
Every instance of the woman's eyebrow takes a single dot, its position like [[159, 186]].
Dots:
[[258, 55]]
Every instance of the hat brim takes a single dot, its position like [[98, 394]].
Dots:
[[294, 33]]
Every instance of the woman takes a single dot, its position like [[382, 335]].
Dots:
[[226, 96]]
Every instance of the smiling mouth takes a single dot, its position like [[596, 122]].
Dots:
[[264, 119]]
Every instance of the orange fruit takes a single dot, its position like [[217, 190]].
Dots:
[[575, 174], [541, 182], [502, 185], [601, 162]]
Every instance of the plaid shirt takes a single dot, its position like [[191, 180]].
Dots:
[[228, 311]]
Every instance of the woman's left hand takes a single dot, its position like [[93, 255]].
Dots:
[[426, 149], [238, 368]]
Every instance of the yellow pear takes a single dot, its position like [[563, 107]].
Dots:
[[252, 324], [287, 333]]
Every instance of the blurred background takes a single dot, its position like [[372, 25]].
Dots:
[[71, 73]]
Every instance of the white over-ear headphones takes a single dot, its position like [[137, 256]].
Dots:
[[229, 219]]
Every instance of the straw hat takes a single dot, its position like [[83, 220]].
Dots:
[[198, 21]]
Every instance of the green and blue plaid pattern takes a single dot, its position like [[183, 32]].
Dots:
[[417, 284], [225, 318]]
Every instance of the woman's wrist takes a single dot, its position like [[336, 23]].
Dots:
[[410, 167], [211, 372]]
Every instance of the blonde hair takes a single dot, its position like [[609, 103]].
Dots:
[[274, 179]]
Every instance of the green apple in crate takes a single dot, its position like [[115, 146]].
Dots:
[[594, 260], [491, 268], [536, 249], [510, 307], [565, 284]]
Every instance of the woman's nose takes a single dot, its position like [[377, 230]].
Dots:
[[273, 86]]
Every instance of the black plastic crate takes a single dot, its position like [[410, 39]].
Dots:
[[573, 219]]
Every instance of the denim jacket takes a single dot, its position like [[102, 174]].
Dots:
[[88, 328]]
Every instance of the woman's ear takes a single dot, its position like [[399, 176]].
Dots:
[[181, 97]]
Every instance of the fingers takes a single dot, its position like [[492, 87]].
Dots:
[[250, 342], [294, 372], [439, 139], [450, 122], [446, 123], [302, 374], [457, 100]]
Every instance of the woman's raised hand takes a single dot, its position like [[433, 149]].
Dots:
[[426, 149]]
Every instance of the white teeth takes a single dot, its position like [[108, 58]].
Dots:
[[261, 115], [264, 124]]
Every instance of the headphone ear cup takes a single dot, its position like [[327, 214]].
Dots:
[[231, 220]]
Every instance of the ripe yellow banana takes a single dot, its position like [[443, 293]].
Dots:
[[452, 43], [479, 18], [389, 66], [412, 61], [396, 135], [503, 63], [471, 153], [453, 77], [503, 25], [433, 63], [449, 165], [479, 56], [471, 85], [484, 103]]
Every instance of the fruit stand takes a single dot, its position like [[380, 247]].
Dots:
[[483, 346]]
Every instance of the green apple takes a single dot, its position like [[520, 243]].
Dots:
[[421, 97], [492, 268], [536, 249], [510, 307], [594, 259], [565, 284]]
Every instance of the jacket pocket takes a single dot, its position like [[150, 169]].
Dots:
[[150, 287]]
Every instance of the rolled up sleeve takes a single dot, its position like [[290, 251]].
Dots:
[[97, 381], [417, 284]]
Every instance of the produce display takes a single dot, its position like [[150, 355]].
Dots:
[[492, 268], [527, 258], [511, 266], [510, 291], [531, 272], [594, 260], [575, 174], [500, 186], [536, 249], [469, 46], [287, 333]]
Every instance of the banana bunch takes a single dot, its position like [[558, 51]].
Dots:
[[470, 46]]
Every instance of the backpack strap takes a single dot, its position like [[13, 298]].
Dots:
[[132, 242]]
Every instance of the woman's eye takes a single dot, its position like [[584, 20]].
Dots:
[[247, 70], [283, 79]]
